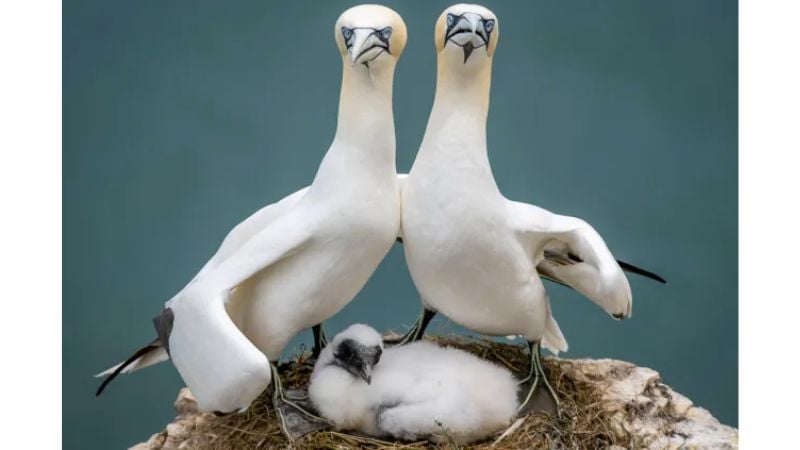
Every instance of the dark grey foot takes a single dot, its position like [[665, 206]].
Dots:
[[296, 415], [320, 341], [416, 332], [537, 395], [540, 401]]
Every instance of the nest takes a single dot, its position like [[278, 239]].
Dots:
[[585, 422]]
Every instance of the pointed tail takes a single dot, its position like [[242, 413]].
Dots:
[[553, 339], [150, 354]]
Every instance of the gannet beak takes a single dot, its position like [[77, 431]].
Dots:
[[365, 372], [469, 31], [366, 44]]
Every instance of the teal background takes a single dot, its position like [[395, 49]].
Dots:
[[181, 118]]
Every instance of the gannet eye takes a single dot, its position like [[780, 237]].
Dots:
[[488, 25], [451, 19], [347, 33], [386, 33]]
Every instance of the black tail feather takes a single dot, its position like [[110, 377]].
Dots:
[[639, 271], [155, 345]]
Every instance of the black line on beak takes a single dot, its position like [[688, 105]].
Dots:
[[468, 48]]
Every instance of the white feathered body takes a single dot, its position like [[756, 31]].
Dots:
[[352, 232], [464, 259], [419, 391], [463, 256], [297, 262]]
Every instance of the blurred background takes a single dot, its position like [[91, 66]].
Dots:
[[182, 118]]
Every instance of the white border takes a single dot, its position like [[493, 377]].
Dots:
[[30, 224], [769, 221], [30, 202]]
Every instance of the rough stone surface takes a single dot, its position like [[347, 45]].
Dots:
[[655, 416]]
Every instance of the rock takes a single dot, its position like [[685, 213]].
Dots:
[[638, 410], [655, 416]]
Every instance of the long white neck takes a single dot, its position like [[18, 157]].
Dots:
[[456, 134], [364, 146]]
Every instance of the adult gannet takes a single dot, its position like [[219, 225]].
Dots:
[[474, 255], [297, 262], [415, 391]]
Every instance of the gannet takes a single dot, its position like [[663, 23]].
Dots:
[[474, 255], [411, 392], [297, 262]]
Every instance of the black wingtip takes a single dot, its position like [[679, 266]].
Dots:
[[139, 353], [627, 267]]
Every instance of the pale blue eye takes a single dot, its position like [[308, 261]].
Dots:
[[451, 19], [347, 33], [386, 33], [488, 26]]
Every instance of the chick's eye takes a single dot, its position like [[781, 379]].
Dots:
[[451, 19], [488, 26], [386, 33]]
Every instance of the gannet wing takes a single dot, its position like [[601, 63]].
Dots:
[[154, 352], [569, 251], [248, 228], [221, 367], [242, 232]]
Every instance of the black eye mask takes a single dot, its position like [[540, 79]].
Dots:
[[383, 35], [458, 24]]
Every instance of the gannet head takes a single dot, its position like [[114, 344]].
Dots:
[[357, 349], [370, 36], [467, 34]]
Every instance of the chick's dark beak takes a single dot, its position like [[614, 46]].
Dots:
[[365, 373], [357, 359], [370, 356]]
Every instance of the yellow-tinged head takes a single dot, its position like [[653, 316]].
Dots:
[[370, 35], [467, 33]]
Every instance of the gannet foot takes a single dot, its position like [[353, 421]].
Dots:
[[297, 419], [320, 341], [296, 415], [416, 332], [540, 396]]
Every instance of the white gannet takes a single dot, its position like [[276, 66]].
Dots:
[[474, 255], [297, 262], [410, 392]]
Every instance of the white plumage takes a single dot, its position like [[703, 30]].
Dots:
[[474, 255], [417, 391], [297, 262]]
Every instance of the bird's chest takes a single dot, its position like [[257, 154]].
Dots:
[[447, 220], [363, 221]]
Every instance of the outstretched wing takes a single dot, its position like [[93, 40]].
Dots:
[[242, 232], [222, 368], [248, 228], [569, 251]]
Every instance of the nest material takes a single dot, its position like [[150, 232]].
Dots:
[[586, 421]]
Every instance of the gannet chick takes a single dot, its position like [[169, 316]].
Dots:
[[411, 392], [295, 263], [474, 255]]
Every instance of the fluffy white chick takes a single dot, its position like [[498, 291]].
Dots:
[[416, 391]]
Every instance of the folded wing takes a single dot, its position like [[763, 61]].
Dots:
[[569, 251]]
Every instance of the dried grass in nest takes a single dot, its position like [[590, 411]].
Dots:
[[584, 423]]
